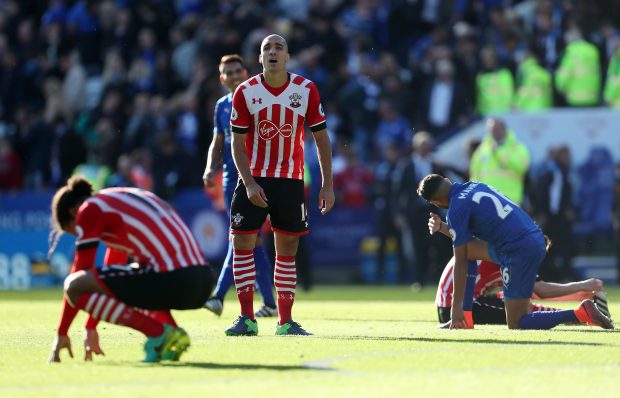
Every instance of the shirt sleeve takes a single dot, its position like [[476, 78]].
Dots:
[[114, 256], [217, 129], [239, 114], [458, 224], [89, 225], [66, 318], [91, 323], [315, 116]]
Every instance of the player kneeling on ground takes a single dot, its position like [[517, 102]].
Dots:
[[153, 264], [485, 225], [488, 305]]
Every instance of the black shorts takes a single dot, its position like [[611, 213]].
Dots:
[[181, 289], [286, 207], [487, 310]]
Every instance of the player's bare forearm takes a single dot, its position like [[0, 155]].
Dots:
[[214, 158], [459, 280], [436, 225], [324, 151], [567, 291], [443, 228], [241, 158], [459, 275]]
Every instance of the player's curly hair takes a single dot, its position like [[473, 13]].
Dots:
[[429, 186], [66, 198]]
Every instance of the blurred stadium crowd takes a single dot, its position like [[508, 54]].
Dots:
[[123, 91]]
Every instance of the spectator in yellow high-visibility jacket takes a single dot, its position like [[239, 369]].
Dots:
[[612, 84], [578, 78], [494, 85], [534, 87], [501, 161]]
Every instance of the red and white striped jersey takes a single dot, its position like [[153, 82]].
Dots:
[[138, 223], [489, 279], [273, 119]]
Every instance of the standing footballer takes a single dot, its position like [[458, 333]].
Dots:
[[233, 73], [267, 121]]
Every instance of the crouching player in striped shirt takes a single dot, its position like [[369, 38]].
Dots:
[[153, 264], [488, 305]]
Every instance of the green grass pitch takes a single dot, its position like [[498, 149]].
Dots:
[[369, 342]]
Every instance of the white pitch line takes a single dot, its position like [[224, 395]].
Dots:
[[327, 363]]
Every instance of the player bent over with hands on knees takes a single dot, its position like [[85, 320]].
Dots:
[[153, 264], [485, 225], [267, 120]]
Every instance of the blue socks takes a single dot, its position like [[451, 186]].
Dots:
[[225, 280], [264, 277], [544, 320]]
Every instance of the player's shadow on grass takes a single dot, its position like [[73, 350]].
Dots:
[[378, 320], [467, 341], [592, 330], [240, 366]]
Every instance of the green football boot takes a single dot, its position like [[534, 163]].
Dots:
[[291, 328], [243, 326]]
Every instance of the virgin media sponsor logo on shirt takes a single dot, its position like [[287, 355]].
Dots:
[[268, 130]]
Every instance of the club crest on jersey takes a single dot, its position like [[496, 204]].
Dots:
[[267, 130], [295, 100], [233, 114], [236, 219]]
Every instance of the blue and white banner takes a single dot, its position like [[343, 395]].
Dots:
[[335, 239], [25, 228], [24, 232]]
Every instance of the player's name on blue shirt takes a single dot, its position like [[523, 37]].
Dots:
[[478, 210]]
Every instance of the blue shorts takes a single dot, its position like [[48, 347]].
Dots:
[[519, 266], [229, 190]]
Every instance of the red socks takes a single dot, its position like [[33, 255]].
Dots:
[[111, 310], [285, 280], [164, 317], [582, 316], [244, 273]]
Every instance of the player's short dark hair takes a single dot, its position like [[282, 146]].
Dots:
[[232, 58], [429, 186]]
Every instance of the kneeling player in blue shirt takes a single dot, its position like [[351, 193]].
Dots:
[[505, 235]]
